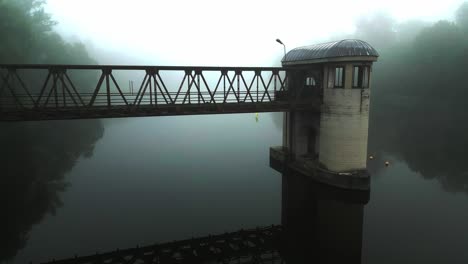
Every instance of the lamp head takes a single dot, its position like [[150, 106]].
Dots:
[[279, 41]]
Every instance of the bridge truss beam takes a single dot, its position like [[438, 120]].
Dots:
[[43, 92]]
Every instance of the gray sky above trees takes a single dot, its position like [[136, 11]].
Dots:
[[240, 32]]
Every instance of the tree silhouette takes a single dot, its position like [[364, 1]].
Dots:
[[418, 109], [35, 156]]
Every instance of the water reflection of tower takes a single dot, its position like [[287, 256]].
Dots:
[[321, 224]]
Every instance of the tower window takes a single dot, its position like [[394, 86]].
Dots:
[[361, 76], [339, 77], [310, 81], [365, 78]]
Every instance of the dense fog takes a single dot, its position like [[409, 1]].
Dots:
[[418, 108]]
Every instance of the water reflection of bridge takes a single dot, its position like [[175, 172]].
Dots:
[[245, 246], [319, 223]]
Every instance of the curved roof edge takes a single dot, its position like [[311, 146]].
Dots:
[[343, 50]]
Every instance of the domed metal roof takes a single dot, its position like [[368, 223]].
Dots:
[[330, 51]]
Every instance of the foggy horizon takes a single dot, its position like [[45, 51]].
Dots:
[[203, 33]]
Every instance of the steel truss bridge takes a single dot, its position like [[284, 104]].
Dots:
[[48, 92], [258, 245]]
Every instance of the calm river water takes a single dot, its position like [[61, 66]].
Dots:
[[169, 178]]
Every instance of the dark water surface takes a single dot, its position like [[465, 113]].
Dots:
[[169, 178]]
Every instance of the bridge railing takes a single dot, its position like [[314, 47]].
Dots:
[[45, 87]]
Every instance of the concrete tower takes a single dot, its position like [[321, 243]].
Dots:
[[330, 144]]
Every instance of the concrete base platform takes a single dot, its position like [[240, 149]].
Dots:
[[356, 180]]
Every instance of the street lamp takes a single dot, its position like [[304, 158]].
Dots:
[[284, 46], [286, 139]]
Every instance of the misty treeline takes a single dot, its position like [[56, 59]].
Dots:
[[36, 155], [419, 93]]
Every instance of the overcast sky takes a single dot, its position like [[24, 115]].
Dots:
[[238, 32]]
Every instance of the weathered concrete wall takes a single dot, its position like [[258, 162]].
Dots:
[[299, 129], [341, 129], [344, 125]]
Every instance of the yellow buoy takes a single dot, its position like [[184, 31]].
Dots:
[[256, 117]]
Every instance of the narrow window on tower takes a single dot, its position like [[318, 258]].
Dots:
[[339, 77], [361, 76], [357, 76], [310, 81], [365, 77]]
